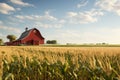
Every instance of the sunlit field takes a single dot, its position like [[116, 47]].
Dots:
[[59, 63]]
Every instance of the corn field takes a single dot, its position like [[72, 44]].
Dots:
[[59, 63]]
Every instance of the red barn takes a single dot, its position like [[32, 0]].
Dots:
[[29, 37]]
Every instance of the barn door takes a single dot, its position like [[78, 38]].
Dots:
[[37, 42], [32, 42]]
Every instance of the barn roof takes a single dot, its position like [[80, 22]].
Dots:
[[25, 33]]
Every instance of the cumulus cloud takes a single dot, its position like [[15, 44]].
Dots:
[[48, 25], [46, 20], [1, 35], [55, 24], [5, 8], [62, 21], [1, 22], [9, 28], [24, 17], [20, 2], [82, 3], [72, 14], [46, 16], [18, 9], [111, 6], [84, 17]]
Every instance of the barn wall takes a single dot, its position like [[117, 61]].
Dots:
[[13, 43]]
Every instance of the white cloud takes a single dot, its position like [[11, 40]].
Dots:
[[71, 14], [9, 28], [25, 17], [1, 22], [111, 6], [62, 21], [46, 20], [1, 35], [45, 17], [49, 25], [5, 8], [82, 3], [18, 9], [48, 16], [84, 17], [20, 2]]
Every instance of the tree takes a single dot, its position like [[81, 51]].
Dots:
[[11, 37], [1, 41], [48, 41], [54, 42], [51, 42]]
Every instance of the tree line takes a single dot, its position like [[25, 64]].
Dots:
[[51, 42]]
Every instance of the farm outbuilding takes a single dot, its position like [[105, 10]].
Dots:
[[29, 37]]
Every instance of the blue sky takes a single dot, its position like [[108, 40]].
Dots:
[[67, 21]]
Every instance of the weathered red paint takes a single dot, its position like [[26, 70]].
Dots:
[[34, 37]]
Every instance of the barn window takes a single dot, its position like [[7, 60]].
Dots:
[[34, 31]]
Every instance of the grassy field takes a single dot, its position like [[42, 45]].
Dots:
[[59, 63]]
